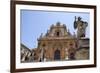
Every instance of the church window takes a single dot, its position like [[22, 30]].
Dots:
[[58, 33], [71, 44], [44, 45]]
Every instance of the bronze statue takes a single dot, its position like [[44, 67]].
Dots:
[[80, 26]]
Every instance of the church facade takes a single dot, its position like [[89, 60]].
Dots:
[[57, 44]]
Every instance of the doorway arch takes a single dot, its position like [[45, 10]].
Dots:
[[57, 55]]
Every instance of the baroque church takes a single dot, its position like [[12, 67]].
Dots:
[[58, 44]]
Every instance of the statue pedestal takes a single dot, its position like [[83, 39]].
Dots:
[[83, 42]]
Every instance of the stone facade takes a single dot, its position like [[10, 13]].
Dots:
[[59, 44]]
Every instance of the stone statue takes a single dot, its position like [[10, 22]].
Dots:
[[80, 26], [41, 35]]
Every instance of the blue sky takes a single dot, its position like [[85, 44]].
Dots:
[[33, 23]]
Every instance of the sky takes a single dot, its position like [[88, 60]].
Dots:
[[35, 22]]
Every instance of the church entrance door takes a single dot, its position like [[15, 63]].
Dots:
[[57, 55]]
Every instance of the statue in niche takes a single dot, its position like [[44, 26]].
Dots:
[[80, 26]]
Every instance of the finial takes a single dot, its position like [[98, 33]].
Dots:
[[41, 35], [52, 25], [58, 23]]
